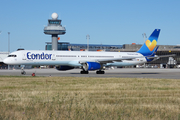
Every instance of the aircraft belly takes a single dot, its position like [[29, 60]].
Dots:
[[29, 62]]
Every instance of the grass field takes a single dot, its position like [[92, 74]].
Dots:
[[88, 98]]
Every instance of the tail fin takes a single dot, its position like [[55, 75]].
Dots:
[[149, 46]]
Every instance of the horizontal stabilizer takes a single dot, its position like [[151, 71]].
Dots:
[[161, 56]]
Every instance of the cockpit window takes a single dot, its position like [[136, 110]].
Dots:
[[12, 55]]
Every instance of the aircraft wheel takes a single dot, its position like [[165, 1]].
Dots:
[[84, 72], [23, 72], [100, 72]]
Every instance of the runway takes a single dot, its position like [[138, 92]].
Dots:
[[117, 73]]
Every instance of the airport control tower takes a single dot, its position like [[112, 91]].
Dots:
[[54, 28]]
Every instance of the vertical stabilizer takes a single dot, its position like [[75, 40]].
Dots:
[[149, 46]]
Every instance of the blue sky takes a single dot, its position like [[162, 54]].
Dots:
[[114, 22]]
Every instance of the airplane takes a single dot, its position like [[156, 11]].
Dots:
[[87, 60]]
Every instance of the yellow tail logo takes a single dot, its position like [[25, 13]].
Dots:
[[151, 45]]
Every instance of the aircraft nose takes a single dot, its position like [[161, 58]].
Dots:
[[6, 61]]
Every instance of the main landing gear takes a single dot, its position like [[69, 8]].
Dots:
[[87, 72], [84, 72], [100, 72]]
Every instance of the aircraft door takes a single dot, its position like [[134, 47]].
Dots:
[[53, 57], [24, 56]]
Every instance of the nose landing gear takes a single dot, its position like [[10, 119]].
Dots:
[[22, 71]]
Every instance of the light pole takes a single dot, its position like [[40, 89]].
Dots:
[[8, 45], [87, 37], [8, 42], [144, 35], [0, 32]]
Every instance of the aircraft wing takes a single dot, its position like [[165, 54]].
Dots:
[[120, 59], [110, 60]]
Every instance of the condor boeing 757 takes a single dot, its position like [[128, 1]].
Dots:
[[87, 60]]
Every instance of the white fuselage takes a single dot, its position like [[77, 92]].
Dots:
[[71, 58]]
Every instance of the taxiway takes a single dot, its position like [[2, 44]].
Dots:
[[117, 73]]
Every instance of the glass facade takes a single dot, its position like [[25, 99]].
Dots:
[[54, 22], [82, 47], [94, 47], [61, 46]]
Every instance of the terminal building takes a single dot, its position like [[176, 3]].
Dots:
[[3, 55]]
